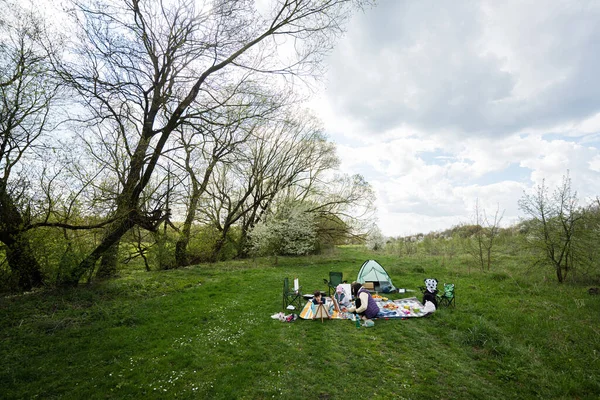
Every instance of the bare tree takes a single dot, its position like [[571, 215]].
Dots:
[[290, 160], [216, 139], [284, 155], [27, 93], [554, 219], [143, 66], [344, 205], [486, 235]]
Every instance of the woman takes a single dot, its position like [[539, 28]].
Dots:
[[366, 306]]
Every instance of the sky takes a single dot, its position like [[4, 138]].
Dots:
[[443, 104]]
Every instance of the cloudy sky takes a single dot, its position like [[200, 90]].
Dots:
[[443, 103]]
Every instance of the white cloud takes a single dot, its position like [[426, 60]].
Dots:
[[595, 164], [484, 67], [432, 183], [439, 105]]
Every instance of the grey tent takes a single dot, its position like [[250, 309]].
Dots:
[[372, 271]]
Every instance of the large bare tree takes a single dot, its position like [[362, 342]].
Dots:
[[286, 162], [145, 67], [27, 94], [215, 139], [554, 218]]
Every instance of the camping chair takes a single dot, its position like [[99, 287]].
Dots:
[[335, 278], [447, 298], [291, 296]]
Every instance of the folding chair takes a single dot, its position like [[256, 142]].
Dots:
[[291, 296], [335, 278], [447, 297]]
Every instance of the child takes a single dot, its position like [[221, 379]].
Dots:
[[340, 296], [317, 298]]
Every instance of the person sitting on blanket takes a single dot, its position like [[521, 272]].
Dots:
[[317, 298], [366, 306], [341, 297]]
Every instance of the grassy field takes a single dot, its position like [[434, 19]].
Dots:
[[205, 332]]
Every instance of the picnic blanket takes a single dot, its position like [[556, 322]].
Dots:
[[402, 308], [309, 310]]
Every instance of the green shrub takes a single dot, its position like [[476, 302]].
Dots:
[[484, 335], [499, 276]]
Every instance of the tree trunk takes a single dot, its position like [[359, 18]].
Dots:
[[181, 251], [89, 262], [22, 263], [243, 245], [217, 250], [181, 254], [110, 257], [109, 262], [127, 207], [559, 274], [19, 254]]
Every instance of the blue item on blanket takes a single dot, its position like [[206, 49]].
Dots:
[[385, 313]]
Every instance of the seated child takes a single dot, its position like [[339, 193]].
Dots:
[[342, 298], [318, 298]]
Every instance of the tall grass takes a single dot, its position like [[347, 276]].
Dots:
[[206, 332]]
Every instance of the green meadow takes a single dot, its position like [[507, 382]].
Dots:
[[206, 332]]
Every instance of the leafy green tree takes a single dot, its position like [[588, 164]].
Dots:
[[331, 231], [587, 236]]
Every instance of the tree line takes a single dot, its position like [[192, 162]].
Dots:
[[172, 132], [557, 233]]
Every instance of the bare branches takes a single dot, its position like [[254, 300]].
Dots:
[[485, 235], [554, 219]]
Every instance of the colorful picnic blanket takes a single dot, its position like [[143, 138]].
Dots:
[[309, 310], [402, 308]]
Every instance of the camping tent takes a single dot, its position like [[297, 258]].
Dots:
[[372, 271]]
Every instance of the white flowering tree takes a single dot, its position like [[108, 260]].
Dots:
[[292, 231], [375, 239]]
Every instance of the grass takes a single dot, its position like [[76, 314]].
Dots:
[[206, 332]]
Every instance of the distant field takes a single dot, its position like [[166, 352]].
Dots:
[[205, 332]]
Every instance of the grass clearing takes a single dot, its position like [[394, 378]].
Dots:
[[206, 332]]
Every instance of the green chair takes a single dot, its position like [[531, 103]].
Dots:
[[291, 296], [335, 278], [447, 298]]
